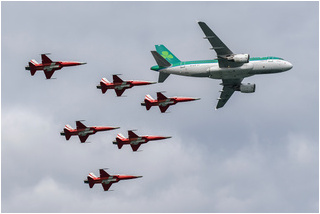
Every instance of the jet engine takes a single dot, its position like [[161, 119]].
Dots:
[[242, 58], [247, 88]]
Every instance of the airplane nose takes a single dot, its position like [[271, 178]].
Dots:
[[287, 66]]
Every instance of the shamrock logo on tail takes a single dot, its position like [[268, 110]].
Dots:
[[166, 55]]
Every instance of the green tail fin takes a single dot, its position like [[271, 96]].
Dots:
[[165, 53]]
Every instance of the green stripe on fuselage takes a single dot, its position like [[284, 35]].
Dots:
[[157, 68]]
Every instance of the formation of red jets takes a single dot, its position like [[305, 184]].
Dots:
[[83, 131]]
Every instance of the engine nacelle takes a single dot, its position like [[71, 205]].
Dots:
[[242, 58], [247, 88]]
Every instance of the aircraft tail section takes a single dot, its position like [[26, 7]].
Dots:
[[162, 77], [67, 131], [166, 54], [91, 179], [148, 101], [164, 59], [103, 85], [161, 61], [120, 138], [32, 66]]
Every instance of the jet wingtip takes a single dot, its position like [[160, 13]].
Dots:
[[217, 107]]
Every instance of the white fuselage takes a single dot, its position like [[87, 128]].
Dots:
[[212, 70]]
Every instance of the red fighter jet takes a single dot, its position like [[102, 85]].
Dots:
[[134, 140], [83, 131], [106, 180], [164, 102], [119, 85], [48, 66]]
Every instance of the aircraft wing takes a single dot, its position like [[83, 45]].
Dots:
[[80, 125], [45, 59], [48, 73], [106, 186], [119, 92], [160, 96], [83, 138], [103, 173], [116, 79], [164, 108], [135, 147], [131, 134], [229, 86], [221, 49]]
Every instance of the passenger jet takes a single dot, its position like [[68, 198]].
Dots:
[[48, 66], [231, 68]]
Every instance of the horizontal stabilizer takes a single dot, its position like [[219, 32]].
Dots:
[[120, 144], [67, 133], [162, 77], [32, 68], [162, 62], [90, 181], [147, 104], [135, 147]]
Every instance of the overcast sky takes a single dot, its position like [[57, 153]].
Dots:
[[259, 153]]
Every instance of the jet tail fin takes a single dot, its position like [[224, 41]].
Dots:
[[168, 55], [148, 99], [119, 140], [103, 85], [67, 132], [91, 177], [32, 66], [162, 62]]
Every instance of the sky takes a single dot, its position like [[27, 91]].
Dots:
[[259, 153]]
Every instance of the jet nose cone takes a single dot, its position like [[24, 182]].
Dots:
[[287, 66]]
